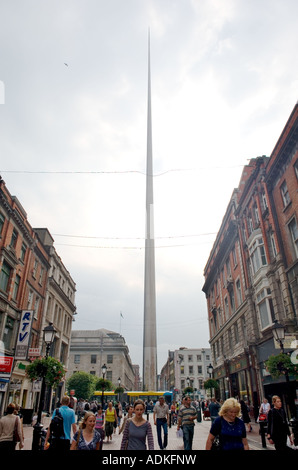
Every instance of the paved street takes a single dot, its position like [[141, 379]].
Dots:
[[199, 442]]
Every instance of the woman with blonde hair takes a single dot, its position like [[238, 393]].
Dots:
[[278, 428], [87, 438], [229, 428]]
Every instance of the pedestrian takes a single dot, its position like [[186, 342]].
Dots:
[[100, 424], [10, 426], [186, 420], [119, 414], [129, 415], [278, 428], [137, 430], [245, 415], [87, 437], [264, 408], [161, 421], [69, 423], [110, 419], [229, 428], [214, 408]]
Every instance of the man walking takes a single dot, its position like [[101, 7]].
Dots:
[[161, 418], [69, 422], [186, 417]]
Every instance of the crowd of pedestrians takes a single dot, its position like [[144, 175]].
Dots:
[[90, 425]]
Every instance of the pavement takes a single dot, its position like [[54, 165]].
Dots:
[[174, 443]]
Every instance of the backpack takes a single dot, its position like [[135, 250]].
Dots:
[[56, 426]]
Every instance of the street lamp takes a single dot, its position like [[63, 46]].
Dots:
[[278, 332], [104, 371], [210, 370], [48, 337], [119, 385]]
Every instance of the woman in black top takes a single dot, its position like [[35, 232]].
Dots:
[[278, 428]]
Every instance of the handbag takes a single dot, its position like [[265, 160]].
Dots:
[[16, 437]]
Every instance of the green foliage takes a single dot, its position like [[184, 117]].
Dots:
[[278, 365], [188, 390], [83, 383], [49, 368], [103, 384], [211, 383]]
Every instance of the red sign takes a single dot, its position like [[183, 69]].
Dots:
[[6, 363]]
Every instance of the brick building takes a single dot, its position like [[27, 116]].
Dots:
[[25, 269], [249, 276]]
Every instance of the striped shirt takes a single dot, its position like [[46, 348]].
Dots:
[[185, 413]]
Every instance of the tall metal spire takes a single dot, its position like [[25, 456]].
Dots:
[[149, 334]]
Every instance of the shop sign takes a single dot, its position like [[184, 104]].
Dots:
[[24, 334], [6, 363]]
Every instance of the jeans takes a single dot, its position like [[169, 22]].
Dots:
[[188, 432], [162, 423]]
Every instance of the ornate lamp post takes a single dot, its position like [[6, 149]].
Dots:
[[104, 371], [48, 337]]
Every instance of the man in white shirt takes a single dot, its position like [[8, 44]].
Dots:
[[161, 419]]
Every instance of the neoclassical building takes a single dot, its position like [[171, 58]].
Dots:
[[91, 349]]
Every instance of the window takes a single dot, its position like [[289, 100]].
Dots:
[[199, 369], [2, 220], [256, 213], [264, 201], [232, 298], [295, 168], [294, 235], [265, 308], [273, 245], [13, 241], [8, 333], [285, 194], [110, 358], [35, 268], [110, 375], [234, 255], [190, 358], [190, 370], [23, 252], [93, 358], [238, 292], [77, 358], [4, 276], [16, 287], [227, 306], [257, 255]]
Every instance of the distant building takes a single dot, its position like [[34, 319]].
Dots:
[[91, 349], [186, 367]]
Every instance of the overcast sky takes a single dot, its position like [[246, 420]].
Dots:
[[73, 94]]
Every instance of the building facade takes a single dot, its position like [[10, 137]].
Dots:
[[186, 368], [25, 266], [91, 349], [247, 275]]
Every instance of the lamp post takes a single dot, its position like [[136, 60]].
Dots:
[[119, 385], [104, 371], [278, 332], [48, 337], [210, 370]]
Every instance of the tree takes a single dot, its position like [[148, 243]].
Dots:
[[103, 384], [83, 384], [188, 390], [210, 384], [281, 364]]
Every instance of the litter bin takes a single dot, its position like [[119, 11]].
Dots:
[[27, 414]]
